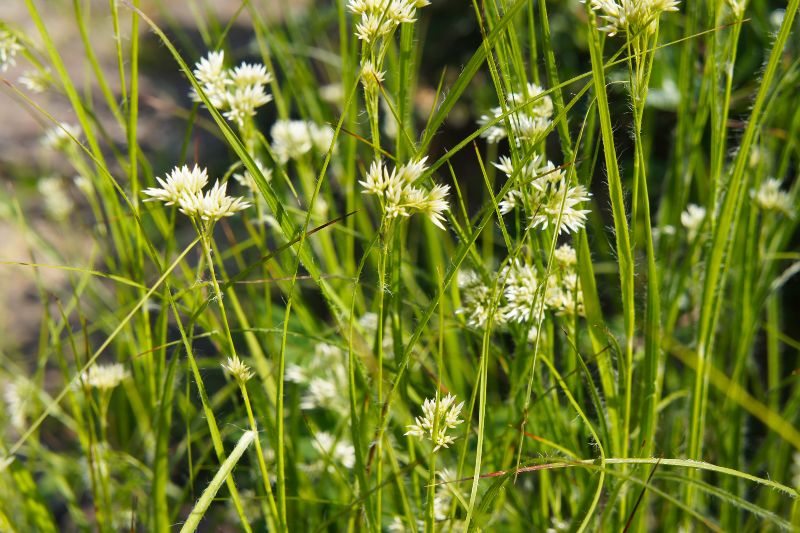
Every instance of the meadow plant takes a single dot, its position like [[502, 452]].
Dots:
[[400, 265]]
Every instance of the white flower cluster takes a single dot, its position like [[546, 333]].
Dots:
[[236, 368], [292, 139], [9, 46], [543, 190], [325, 379], [436, 419], [398, 195], [184, 187], [57, 201], [524, 300], [105, 377], [36, 81], [632, 16], [379, 18], [60, 137], [692, 219], [770, 197], [339, 451], [237, 92], [529, 118]]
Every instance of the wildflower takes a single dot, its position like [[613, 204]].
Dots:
[[339, 451], [236, 92], [245, 179], [560, 208], [692, 219], [529, 114], [9, 46], [36, 81], [770, 197], [18, 395], [476, 299], [213, 205], [399, 196], [565, 256], [181, 181], [379, 18], [105, 377], [56, 199], [60, 137], [523, 304], [632, 16], [536, 175], [325, 379], [236, 368], [371, 77], [437, 417], [243, 101], [292, 139]]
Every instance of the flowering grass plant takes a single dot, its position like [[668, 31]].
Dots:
[[506, 265]]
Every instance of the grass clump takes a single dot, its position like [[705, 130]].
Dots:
[[397, 265]]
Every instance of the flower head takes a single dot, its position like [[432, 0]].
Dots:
[[438, 415], [213, 205], [181, 181], [9, 46], [105, 377], [60, 136], [692, 219], [632, 16], [399, 196], [770, 197], [236, 368]]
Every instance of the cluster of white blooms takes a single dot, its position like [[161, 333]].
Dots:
[[476, 299], [543, 190], [18, 395], [524, 300], [398, 195], [60, 137], [245, 178], [770, 197], [379, 18], [9, 46], [692, 219], [57, 201], [184, 187], [237, 92], [324, 378], [436, 419], [105, 377], [529, 117], [339, 451], [632, 16], [292, 139], [36, 81], [236, 368]]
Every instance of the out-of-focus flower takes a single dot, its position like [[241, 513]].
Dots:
[[770, 197], [105, 377], [57, 201], [292, 139], [339, 451], [36, 81], [9, 46], [692, 219], [437, 417], [476, 300], [60, 137]]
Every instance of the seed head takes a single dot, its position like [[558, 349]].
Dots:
[[236, 368]]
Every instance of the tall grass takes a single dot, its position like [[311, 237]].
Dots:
[[609, 291]]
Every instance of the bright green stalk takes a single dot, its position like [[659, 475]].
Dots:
[[200, 508], [716, 265]]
